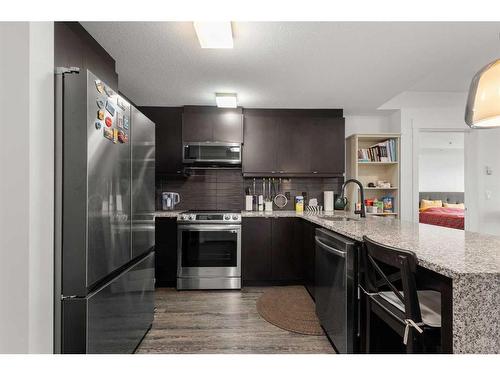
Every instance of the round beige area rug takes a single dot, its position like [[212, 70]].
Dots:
[[290, 308]]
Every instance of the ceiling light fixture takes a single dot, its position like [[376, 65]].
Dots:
[[214, 34], [483, 102], [226, 100]]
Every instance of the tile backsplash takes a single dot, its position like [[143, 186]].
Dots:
[[204, 190], [225, 189]]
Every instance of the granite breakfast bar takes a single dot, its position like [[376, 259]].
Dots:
[[470, 260]]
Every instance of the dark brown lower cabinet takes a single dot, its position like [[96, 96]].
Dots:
[[272, 251], [308, 249], [166, 251], [287, 263], [256, 250]]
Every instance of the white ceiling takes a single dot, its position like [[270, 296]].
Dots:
[[356, 66]]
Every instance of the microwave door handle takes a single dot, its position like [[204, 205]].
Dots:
[[330, 249]]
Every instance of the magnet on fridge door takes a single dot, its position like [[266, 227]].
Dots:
[[100, 114], [108, 133], [119, 121], [99, 102], [109, 91], [125, 122], [121, 103], [99, 86], [122, 137], [97, 125], [108, 121], [110, 108], [115, 135]]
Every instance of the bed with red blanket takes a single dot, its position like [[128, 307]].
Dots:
[[443, 216]]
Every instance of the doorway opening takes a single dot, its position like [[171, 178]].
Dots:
[[441, 178]]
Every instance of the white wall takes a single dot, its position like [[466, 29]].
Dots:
[[367, 124], [26, 189], [441, 169], [488, 186]]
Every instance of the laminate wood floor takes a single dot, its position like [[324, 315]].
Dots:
[[220, 322]]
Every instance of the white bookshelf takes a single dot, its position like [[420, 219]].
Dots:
[[373, 171]]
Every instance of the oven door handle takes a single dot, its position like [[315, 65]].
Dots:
[[208, 227]]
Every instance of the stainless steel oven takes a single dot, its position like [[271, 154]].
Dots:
[[209, 250], [213, 153]]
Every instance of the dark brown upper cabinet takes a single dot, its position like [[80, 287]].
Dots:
[[212, 124], [168, 122], [327, 146], [293, 152], [197, 127], [293, 143], [259, 145]]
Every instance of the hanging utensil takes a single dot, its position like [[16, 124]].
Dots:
[[280, 199]]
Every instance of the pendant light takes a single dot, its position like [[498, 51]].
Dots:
[[483, 102]]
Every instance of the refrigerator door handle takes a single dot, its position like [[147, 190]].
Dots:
[[58, 117], [66, 70], [68, 297], [59, 73]]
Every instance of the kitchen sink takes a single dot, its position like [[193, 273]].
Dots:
[[339, 218]]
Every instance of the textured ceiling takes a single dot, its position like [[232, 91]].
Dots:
[[355, 66]]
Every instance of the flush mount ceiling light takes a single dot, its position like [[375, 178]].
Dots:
[[226, 100], [214, 34], [483, 102]]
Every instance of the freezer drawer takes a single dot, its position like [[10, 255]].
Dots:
[[114, 318]]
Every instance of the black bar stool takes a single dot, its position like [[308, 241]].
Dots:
[[392, 295]]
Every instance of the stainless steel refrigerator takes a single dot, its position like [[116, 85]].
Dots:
[[104, 240]]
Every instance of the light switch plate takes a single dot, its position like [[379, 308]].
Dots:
[[488, 194]]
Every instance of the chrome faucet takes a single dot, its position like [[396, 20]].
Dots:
[[361, 212]]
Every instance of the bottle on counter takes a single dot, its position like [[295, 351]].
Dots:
[[299, 204], [248, 202]]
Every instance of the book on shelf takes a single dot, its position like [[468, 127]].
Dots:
[[380, 152]]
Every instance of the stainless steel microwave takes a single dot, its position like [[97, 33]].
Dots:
[[218, 153]]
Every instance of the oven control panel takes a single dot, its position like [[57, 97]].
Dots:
[[223, 217]]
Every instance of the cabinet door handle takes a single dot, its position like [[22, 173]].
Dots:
[[315, 172]]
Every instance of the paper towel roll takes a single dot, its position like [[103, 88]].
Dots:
[[328, 200], [249, 202]]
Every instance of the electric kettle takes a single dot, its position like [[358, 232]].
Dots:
[[169, 200]]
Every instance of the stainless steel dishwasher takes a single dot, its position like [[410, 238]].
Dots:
[[336, 289]]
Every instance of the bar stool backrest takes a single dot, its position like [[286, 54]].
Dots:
[[376, 258]]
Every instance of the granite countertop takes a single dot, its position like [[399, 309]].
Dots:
[[173, 213], [450, 252]]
